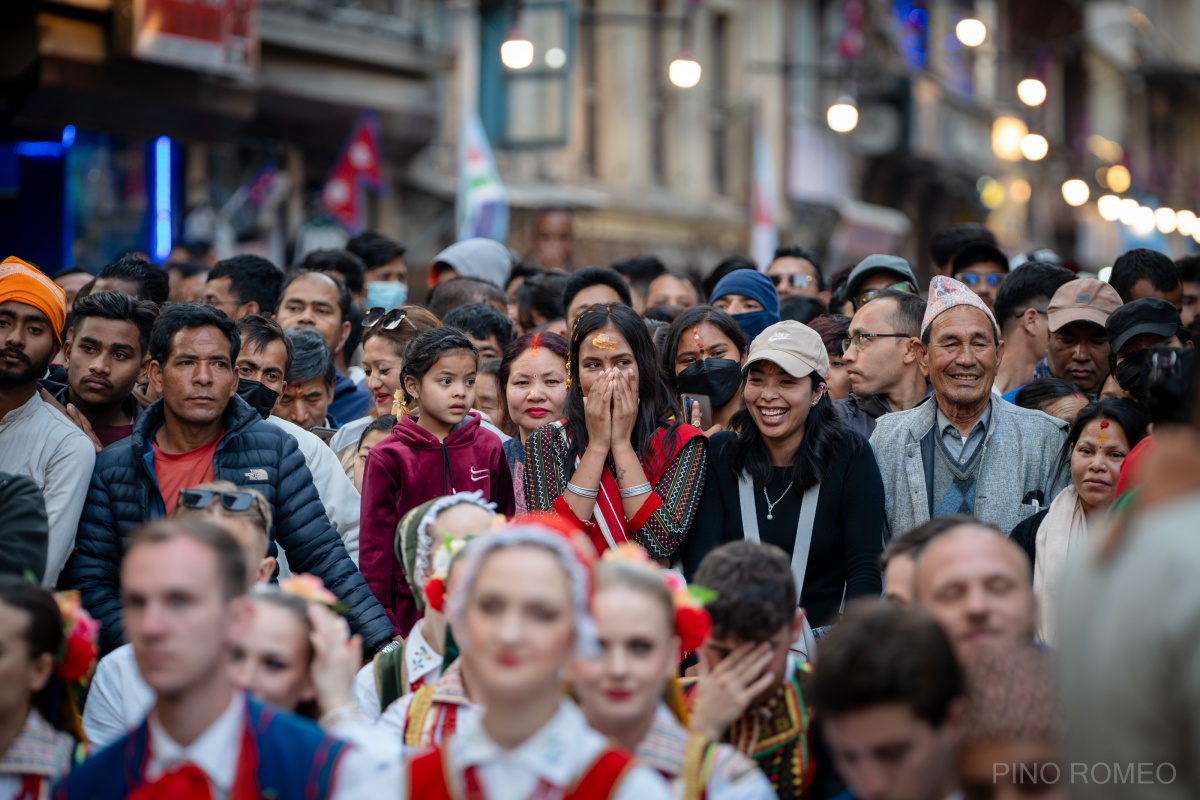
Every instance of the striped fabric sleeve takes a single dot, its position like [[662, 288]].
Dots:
[[677, 494], [546, 473]]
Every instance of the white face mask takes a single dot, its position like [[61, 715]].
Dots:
[[386, 294]]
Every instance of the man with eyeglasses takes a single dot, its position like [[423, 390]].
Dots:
[[876, 273], [243, 285], [1078, 346], [883, 355], [1021, 309], [982, 267], [796, 270]]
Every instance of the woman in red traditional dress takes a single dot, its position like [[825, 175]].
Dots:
[[619, 465], [520, 608]]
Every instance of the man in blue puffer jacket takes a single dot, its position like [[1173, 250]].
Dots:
[[200, 430]]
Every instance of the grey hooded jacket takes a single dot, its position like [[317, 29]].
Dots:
[[1019, 461]]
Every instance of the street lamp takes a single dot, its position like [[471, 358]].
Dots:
[[1034, 146], [971, 32], [517, 50], [1109, 206], [684, 71], [842, 116], [1032, 92], [1075, 192]]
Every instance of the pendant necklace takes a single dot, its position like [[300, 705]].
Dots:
[[770, 505]]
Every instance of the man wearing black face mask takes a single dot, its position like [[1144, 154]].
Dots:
[[262, 363]]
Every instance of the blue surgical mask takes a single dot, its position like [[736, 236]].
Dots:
[[386, 294], [753, 323]]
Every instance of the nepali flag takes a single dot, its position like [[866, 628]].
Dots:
[[359, 164]]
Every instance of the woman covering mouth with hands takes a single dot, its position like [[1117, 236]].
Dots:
[[619, 465], [795, 476]]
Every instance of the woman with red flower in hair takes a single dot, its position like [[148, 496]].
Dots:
[[647, 618], [40, 664]]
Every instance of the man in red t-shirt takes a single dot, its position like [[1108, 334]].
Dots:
[[200, 431]]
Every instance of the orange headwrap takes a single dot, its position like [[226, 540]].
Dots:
[[26, 284]]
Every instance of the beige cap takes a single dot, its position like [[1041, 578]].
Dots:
[[794, 346], [1083, 300]]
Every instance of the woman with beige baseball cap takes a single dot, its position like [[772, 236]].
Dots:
[[796, 477]]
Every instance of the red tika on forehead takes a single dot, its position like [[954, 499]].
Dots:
[[699, 341], [537, 342]]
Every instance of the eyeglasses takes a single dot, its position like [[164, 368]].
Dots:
[[974, 279], [201, 498], [389, 319], [866, 297], [860, 340], [1041, 311], [797, 280]]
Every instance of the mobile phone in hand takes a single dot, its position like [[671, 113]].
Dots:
[[690, 403], [326, 434]]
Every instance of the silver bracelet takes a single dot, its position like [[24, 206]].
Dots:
[[636, 491], [590, 494]]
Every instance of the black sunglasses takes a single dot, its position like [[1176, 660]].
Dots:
[[390, 319], [201, 498]]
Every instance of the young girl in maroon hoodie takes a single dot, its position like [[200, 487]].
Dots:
[[440, 451]]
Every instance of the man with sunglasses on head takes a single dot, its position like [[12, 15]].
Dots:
[[876, 273], [883, 355], [982, 267], [1022, 310], [119, 697], [200, 430]]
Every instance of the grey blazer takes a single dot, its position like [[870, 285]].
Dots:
[[1019, 456]]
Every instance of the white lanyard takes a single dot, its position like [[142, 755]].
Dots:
[[804, 528]]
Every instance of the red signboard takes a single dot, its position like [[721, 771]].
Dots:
[[209, 35]]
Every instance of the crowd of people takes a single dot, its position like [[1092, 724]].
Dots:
[[599, 532]]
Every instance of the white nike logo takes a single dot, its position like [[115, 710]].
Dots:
[[478, 474]]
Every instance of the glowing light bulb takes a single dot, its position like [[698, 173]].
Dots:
[[1075, 192], [1034, 146], [517, 51], [1118, 178], [1185, 222], [684, 71], [842, 115], [1032, 92], [1109, 206], [970, 32], [1165, 220]]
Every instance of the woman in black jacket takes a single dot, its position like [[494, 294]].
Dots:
[[795, 476]]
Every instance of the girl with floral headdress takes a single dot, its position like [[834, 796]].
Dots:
[[46, 648], [520, 609], [619, 465], [646, 618]]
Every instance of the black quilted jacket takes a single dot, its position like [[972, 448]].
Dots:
[[123, 494]]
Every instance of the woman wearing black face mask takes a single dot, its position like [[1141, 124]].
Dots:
[[703, 355]]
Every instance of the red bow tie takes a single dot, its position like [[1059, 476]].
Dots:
[[186, 782]]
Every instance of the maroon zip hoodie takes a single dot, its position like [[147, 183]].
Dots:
[[410, 467]]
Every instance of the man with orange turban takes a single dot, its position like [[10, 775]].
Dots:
[[36, 440]]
